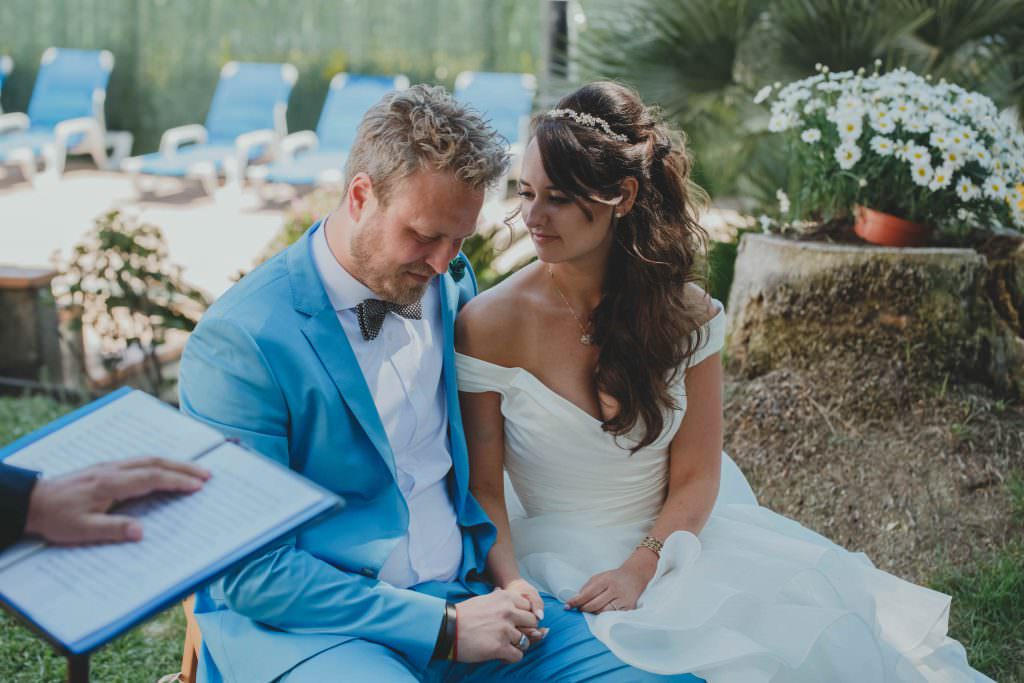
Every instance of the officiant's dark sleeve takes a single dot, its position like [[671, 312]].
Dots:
[[15, 488]]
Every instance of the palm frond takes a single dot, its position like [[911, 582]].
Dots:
[[679, 55]]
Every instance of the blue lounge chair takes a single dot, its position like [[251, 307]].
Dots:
[[246, 121], [64, 115], [6, 64], [506, 99], [318, 158]]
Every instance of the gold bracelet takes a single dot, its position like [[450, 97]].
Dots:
[[652, 544]]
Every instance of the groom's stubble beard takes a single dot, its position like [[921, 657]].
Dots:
[[385, 279]]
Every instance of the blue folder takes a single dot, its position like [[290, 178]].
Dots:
[[327, 504]]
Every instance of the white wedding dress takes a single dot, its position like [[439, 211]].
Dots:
[[755, 598]]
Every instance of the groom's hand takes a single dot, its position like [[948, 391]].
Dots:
[[491, 626]]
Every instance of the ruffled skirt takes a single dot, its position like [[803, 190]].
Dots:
[[756, 598]]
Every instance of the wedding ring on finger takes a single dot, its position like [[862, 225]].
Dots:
[[523, 643], [612, 604]]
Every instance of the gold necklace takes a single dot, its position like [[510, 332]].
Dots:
[[586, 339]]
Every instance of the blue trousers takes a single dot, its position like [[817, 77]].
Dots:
[[568, 653]]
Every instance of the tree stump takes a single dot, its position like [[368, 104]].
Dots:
[[930, 315], [29, 341]]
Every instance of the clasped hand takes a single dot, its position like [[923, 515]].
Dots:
[[491, 626]]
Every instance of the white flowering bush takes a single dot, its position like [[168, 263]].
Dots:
[[932, 153]]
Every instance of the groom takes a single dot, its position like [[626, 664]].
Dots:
[[336, 359]]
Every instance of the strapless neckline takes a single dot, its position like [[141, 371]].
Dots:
[[539, 384], [551, 393]]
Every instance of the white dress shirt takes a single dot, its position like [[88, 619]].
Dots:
[[402, 368]]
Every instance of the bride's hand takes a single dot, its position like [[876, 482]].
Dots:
[[527, 590], [617, 589]]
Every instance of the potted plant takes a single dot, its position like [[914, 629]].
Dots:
[[900, 154]]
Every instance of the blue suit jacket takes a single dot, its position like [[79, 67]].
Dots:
[[270, 364]]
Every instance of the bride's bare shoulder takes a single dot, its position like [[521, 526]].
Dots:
[[491, 325]]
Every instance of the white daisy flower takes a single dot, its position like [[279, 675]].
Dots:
[[766, 222], [915, 126], [814, 105], [938, 120], [981, 155], [995, 188], [847, 154], [902, 110], [941, 178], [919, 154], [850, 105], [762, 94], [882, 146], [883, 125], [783, 201], [779, 123], [966, 190], [798, 95], [849, 129], [954, 158], [939, 139], [922, 174], [811, 135]]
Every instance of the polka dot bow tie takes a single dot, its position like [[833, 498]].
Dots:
[[372, 312]]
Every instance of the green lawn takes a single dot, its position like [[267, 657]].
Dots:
[[140, 656], [988, 605]]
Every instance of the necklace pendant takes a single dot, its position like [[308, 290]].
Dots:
[[586, 340]]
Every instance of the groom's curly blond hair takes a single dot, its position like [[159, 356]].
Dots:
[[425, 127]]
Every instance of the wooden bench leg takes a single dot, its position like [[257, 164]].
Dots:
[[193, 641]]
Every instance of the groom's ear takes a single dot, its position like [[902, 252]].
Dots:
[[360, 197]]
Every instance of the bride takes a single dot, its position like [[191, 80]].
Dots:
[[593, 378]]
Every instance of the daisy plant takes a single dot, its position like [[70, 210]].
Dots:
[[931, 153]]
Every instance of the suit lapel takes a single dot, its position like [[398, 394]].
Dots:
[[324, 332], [328, 339]]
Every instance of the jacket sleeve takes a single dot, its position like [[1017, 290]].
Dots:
[[226, 381], [16, 486]]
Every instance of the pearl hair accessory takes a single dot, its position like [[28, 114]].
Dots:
[[589, 120]]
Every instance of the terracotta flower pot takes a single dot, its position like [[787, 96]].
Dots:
[[888, 230]]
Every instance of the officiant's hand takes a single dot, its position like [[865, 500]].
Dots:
[[73, 508], [490, 626], [617, 589]]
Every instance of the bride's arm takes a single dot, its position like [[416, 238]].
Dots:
[[484, 427], [485, 438], [695, 456], [695, 464]]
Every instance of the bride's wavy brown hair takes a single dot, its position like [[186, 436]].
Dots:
[[645, 321]]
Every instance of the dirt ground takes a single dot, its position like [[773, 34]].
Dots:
[[913, 475]]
